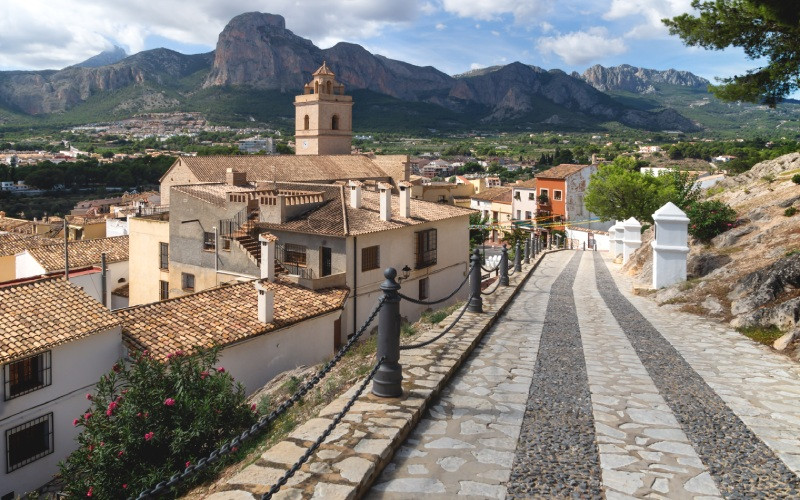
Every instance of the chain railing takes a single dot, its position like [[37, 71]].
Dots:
[[386, 376]]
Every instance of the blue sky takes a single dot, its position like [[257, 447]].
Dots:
[[451, 35]]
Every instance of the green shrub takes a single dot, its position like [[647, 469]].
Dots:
[[709, 218], [148, 420], [796, 178], [790, 211]]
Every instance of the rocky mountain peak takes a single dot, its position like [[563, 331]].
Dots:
[[104, 58], [639, 80]]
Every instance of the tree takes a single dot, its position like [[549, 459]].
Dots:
[[618, 193], [477, 235], [763, 29]]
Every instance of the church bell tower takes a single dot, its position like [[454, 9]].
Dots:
[[323, 116]]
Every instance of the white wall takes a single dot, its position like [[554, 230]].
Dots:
[[116, 227], [601, 239], [27, 266], [523, 204], [256, 361], [397, 250], [76, 367]]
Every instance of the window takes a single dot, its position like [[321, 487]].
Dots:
[[426, 248], [187, 281], [370, 258], [442, 199], [163, 290], [294, 254], [528, 216], [423, 289], [305, 123], [531, 196], [226, 244], [519, 214], [27, 375], [335, 122], [517, 195], [163, 256], [29, 442], [209, 241], [544, 193], [557, 194]]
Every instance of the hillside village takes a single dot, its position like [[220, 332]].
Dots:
[[278, 259]]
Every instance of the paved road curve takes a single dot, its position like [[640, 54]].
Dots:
[[585, 391]]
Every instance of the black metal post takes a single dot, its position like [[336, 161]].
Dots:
[[504, 266], [584, 246], [387, 382], [517, 258], [527, 250], [475, 300]]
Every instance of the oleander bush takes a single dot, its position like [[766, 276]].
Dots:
[[708, 219], [149, 419]]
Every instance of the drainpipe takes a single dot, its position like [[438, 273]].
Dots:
[[355, 283], [66, 249], [103, 279], [216, 249]]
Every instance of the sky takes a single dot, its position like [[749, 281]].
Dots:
[[454, 36]]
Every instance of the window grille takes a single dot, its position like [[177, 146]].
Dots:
[[425, 248], [29, 442], [294, 254], [163, 290], [209, 241], [27, 375], [163, 257], [370, 258]]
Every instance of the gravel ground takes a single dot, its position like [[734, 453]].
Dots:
[[557, 454], [739, 462]]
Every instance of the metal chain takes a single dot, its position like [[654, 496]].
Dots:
[[495, 268], [511, 273], [428, 342], [264, 421], [434, 302], [291, 472], [496, 287]]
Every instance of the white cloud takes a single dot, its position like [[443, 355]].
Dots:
[[38, 34], [495, 33], [441, 26], [475, 66], [651, 12], [581, 47], [546, 27], [490, 10]]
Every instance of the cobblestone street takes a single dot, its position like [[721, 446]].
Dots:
[[583, 390]]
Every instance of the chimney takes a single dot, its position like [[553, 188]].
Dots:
[[386, 200], [235, 178], [355, 194], [267, 256], [405, 199], [266, 303]]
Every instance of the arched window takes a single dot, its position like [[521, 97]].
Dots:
[[305, 123], [335, 122], [329, 89], [316, 87]]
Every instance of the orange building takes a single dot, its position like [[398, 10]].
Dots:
[[560, 192]]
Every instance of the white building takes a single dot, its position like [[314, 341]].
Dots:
[[48, 259], [257, 144], [57, 343], [523, 200]]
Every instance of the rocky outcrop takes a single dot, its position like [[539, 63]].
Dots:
[[43, 92], [756, 296], [638, 80]]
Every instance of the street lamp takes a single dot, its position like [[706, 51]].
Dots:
[[406, 273]]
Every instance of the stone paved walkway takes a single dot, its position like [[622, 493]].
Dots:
[[677, 407]]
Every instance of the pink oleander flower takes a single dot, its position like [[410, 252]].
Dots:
[[125, 486], [116, 367], [221, 369], [120, 453], [89, 397], [111, 407], [89, 493], [253, 407], [169, 402], [149, 436], [75, 422], [188, 463], [203, 375], [139, 414], [87, 416]]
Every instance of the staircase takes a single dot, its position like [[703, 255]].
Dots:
[[244, 237]]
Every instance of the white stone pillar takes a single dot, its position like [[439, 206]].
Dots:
[[618, 230], [631, 239], [612, 236], [670, 246], [267, 255], [266, 303]]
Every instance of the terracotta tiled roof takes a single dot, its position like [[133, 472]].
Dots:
[[560, 171], [216, 194], [529, 184], [13, 243], [46, 313], [337, 218], [287, 168], [122, 291], [504, 198], [81, 253], [221, 316], [16, 225], [492, 194]]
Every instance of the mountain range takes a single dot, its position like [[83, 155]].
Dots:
[[259, 65]]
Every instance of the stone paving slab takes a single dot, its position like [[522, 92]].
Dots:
[[350, 459]]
